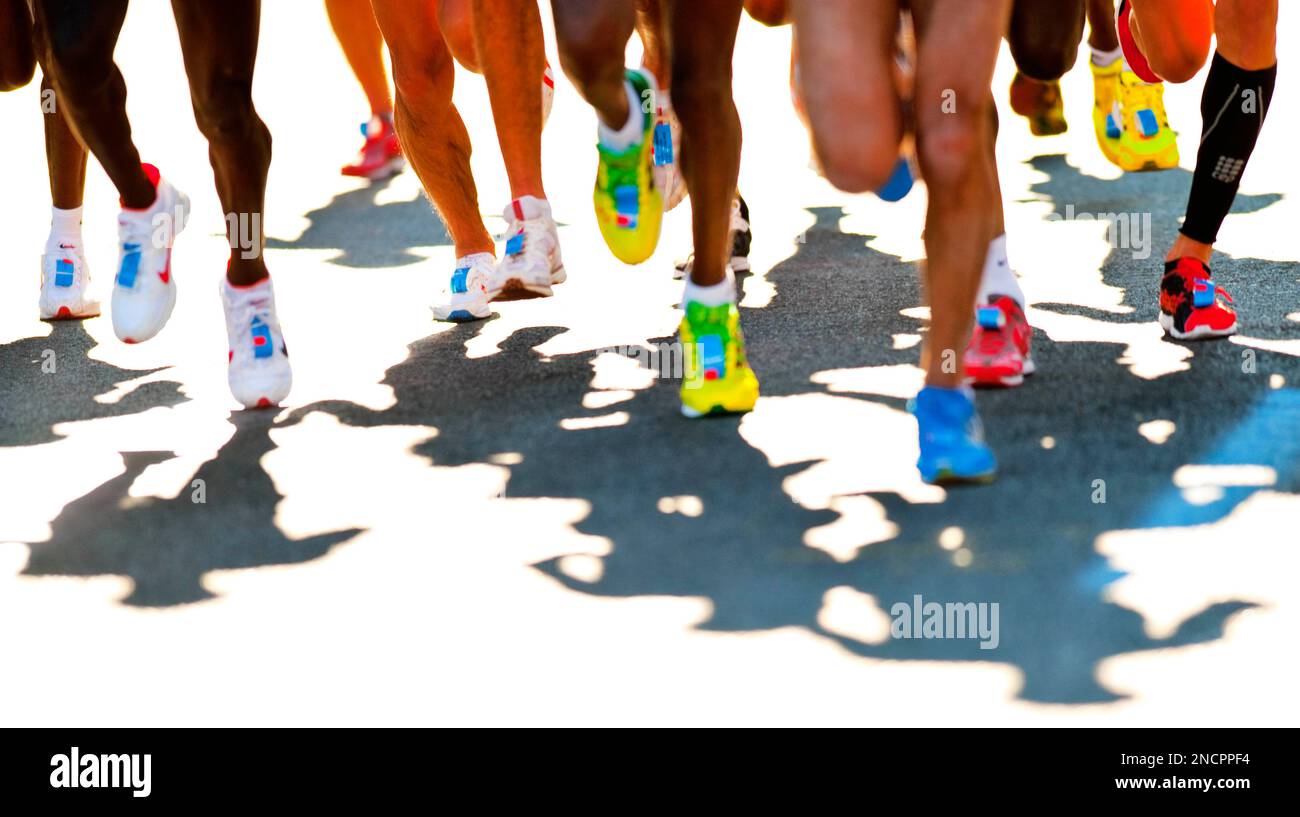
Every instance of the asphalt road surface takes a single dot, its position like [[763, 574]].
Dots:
[[509, 522]]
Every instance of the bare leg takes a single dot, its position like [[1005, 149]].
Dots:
[[219, 43], [432, 132], [593, 37], [1101, 25], [1044, 36], [76, 41], [17, 54], [650, 27], [1176, 37], [514, 86], [354, 26], [953, 152], [66, 158], [839, 42], [703, 36]]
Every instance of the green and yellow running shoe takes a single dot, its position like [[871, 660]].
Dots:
[[717, 379], [1147, 142], [629, 207], [1107, 116]]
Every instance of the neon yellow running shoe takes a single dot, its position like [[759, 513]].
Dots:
[[717, 378], [629, 207], [1147, 142], [1105, 108]]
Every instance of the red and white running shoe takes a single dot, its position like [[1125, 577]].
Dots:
[[1190, 304], [381, 155], [998, 352]]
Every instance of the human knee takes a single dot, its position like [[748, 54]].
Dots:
[[589, 48], [1042, 59], [769, 12], [456, 19], [948, 144], [854, 161]]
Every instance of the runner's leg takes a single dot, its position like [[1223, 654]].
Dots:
[[77, 40], [354, 26], [433, 136], [17, 53], [955, 162], [841, 42]]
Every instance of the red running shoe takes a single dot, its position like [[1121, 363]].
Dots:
[[998, 352], [381, 155], [1190, 304]]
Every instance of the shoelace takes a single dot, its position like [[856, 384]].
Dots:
[[246, 311], [992, 341], [1149, 97], [536, 237]]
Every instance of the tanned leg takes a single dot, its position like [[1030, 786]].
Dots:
[[952, 147], [354, 26], [432, 133], [514, 85]]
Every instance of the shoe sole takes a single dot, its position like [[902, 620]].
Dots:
[[66, 314], [1199, 333], [716, 411], [460, 313], [516, 289], [385, 171], [1009, 381], [949, 478]]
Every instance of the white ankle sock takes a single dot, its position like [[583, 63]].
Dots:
[[631, 132], [1101, 59], [723, 292], [998, 278], [65, 226]]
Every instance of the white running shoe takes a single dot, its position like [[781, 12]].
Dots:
[[465, 298], [144, 293], [531, 264], [260, 376], [668, 140], [65, 284]]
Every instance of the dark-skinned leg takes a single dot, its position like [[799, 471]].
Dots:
[[1101, 25], [702, 37], [592, 38], [76, 41], [219, 43], [17, 54], [66, 157], [1044, 38]]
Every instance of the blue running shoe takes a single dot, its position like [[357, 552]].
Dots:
[[952, 438], [900, 181]]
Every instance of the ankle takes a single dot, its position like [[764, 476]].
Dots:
[[1185, 247]]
